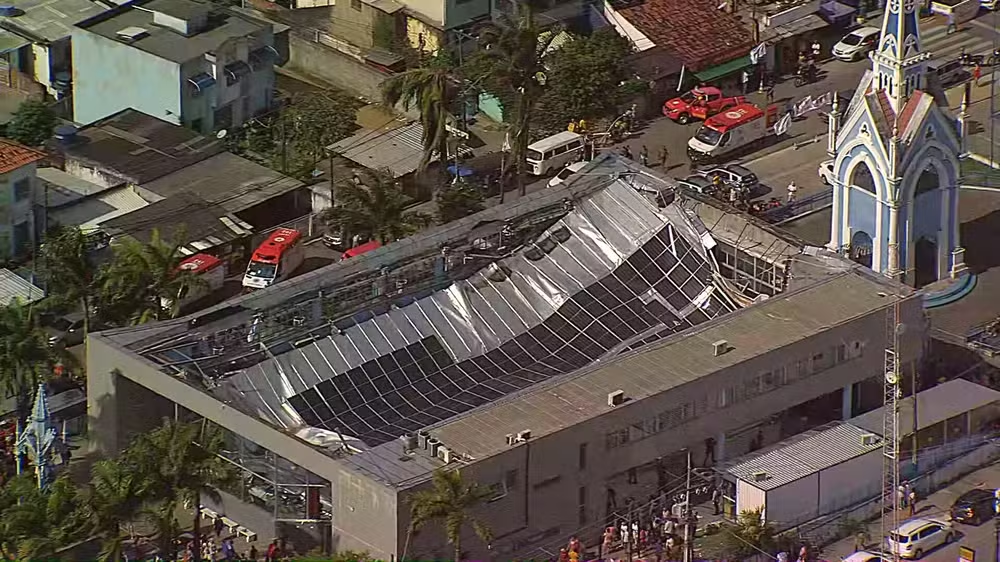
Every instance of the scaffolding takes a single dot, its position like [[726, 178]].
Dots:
[[890, 435]]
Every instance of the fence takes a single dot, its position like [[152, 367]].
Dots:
[[827, 529], [800, 208]]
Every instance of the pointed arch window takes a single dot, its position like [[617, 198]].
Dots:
[[928, 181], [861, 178]]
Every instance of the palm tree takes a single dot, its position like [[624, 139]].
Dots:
[[117, 493], [24, 355], [181, 460], [146, 278], [70, 272], [375, 209], [429, 89], [35, 523], [449, 502], [514, 56], [751, 535]]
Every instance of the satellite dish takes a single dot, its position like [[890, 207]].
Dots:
[[221, 134]]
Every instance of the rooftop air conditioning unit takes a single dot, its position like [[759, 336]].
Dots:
[[869, 439], [616, 398], [409, 442], [524, 435], [759, 476], [511, 439], [720, 347], [131, 33], [444, 453], [433, 446]]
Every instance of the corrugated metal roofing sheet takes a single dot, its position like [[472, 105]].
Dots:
[[397, 150], [806, 456], [13, 286], [934, 405]]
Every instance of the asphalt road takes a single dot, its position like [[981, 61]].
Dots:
[[980, 538]]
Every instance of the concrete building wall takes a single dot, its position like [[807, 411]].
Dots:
[[354, 22], [334, 67], [17, 216], [554, 476], [749, 497], [109, 76], [365, 515]]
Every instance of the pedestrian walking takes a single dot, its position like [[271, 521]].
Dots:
[[952, 28], [732, 196], [792, 190], [217, 526], [252, 555], [769, 94], [716, 500], [745, 80], [911, 500], [626, 152], [644, 156], [664, 155], [977, 73]]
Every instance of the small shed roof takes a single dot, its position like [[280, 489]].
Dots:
[[934, 405], [805, 455], [13, 286], [398, 150]]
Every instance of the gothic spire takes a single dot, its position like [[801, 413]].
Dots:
[[898, 61]]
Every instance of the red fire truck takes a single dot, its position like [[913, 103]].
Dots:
[[700, 103]]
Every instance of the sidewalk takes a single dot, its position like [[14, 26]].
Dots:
[[936, 504]]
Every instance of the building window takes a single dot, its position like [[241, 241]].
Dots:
[[582, 459], [356, 4], [617, 438], [582, 500], [22, 189]]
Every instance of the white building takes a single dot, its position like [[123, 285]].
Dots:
[[17, 194]]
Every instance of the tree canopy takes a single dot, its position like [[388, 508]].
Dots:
[[458, 200], [450, 502], [374, 208], [588, 77], [32, 123]]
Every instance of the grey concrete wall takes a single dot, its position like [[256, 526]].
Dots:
[[334, 67], [550, 480], [364, 515]]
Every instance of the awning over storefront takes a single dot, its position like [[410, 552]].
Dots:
[[721, 70], [794, 28]]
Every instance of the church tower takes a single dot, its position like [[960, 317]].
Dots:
[[896, 149]]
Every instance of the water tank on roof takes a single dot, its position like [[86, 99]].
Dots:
[[9, 10], [65, 134]]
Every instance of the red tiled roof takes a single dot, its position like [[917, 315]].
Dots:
[[13, 156], [694, 31], [909, 110]]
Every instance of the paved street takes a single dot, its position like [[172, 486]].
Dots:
[[979, 537]]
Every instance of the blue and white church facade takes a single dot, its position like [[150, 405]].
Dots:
[[896, 162]]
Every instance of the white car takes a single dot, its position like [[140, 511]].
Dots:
[[918, 536], [826, 172], [856, 44], [864, 556], [566, 172]]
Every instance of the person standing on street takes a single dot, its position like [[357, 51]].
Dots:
[[792, 190], [745, 80], [952, 28], [911, 500], [664, 155], [977, 73], [627, 152], [716, 500], [644, 156]]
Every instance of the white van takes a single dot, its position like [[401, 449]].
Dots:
[[553, 153]]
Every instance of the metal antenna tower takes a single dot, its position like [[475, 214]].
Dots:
[[890, 433]]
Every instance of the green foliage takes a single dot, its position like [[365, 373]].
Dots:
[[749, 536], [313, 121], [511, 65], [32, 123], [117, 493], [143, 282], [458, 200], [374, 210], [25, 356], [588, 78], [384, 32], [346, 556], [429, 89], [449, 502], [35, 523]]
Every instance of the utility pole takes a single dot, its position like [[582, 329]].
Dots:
[[688, 513]]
